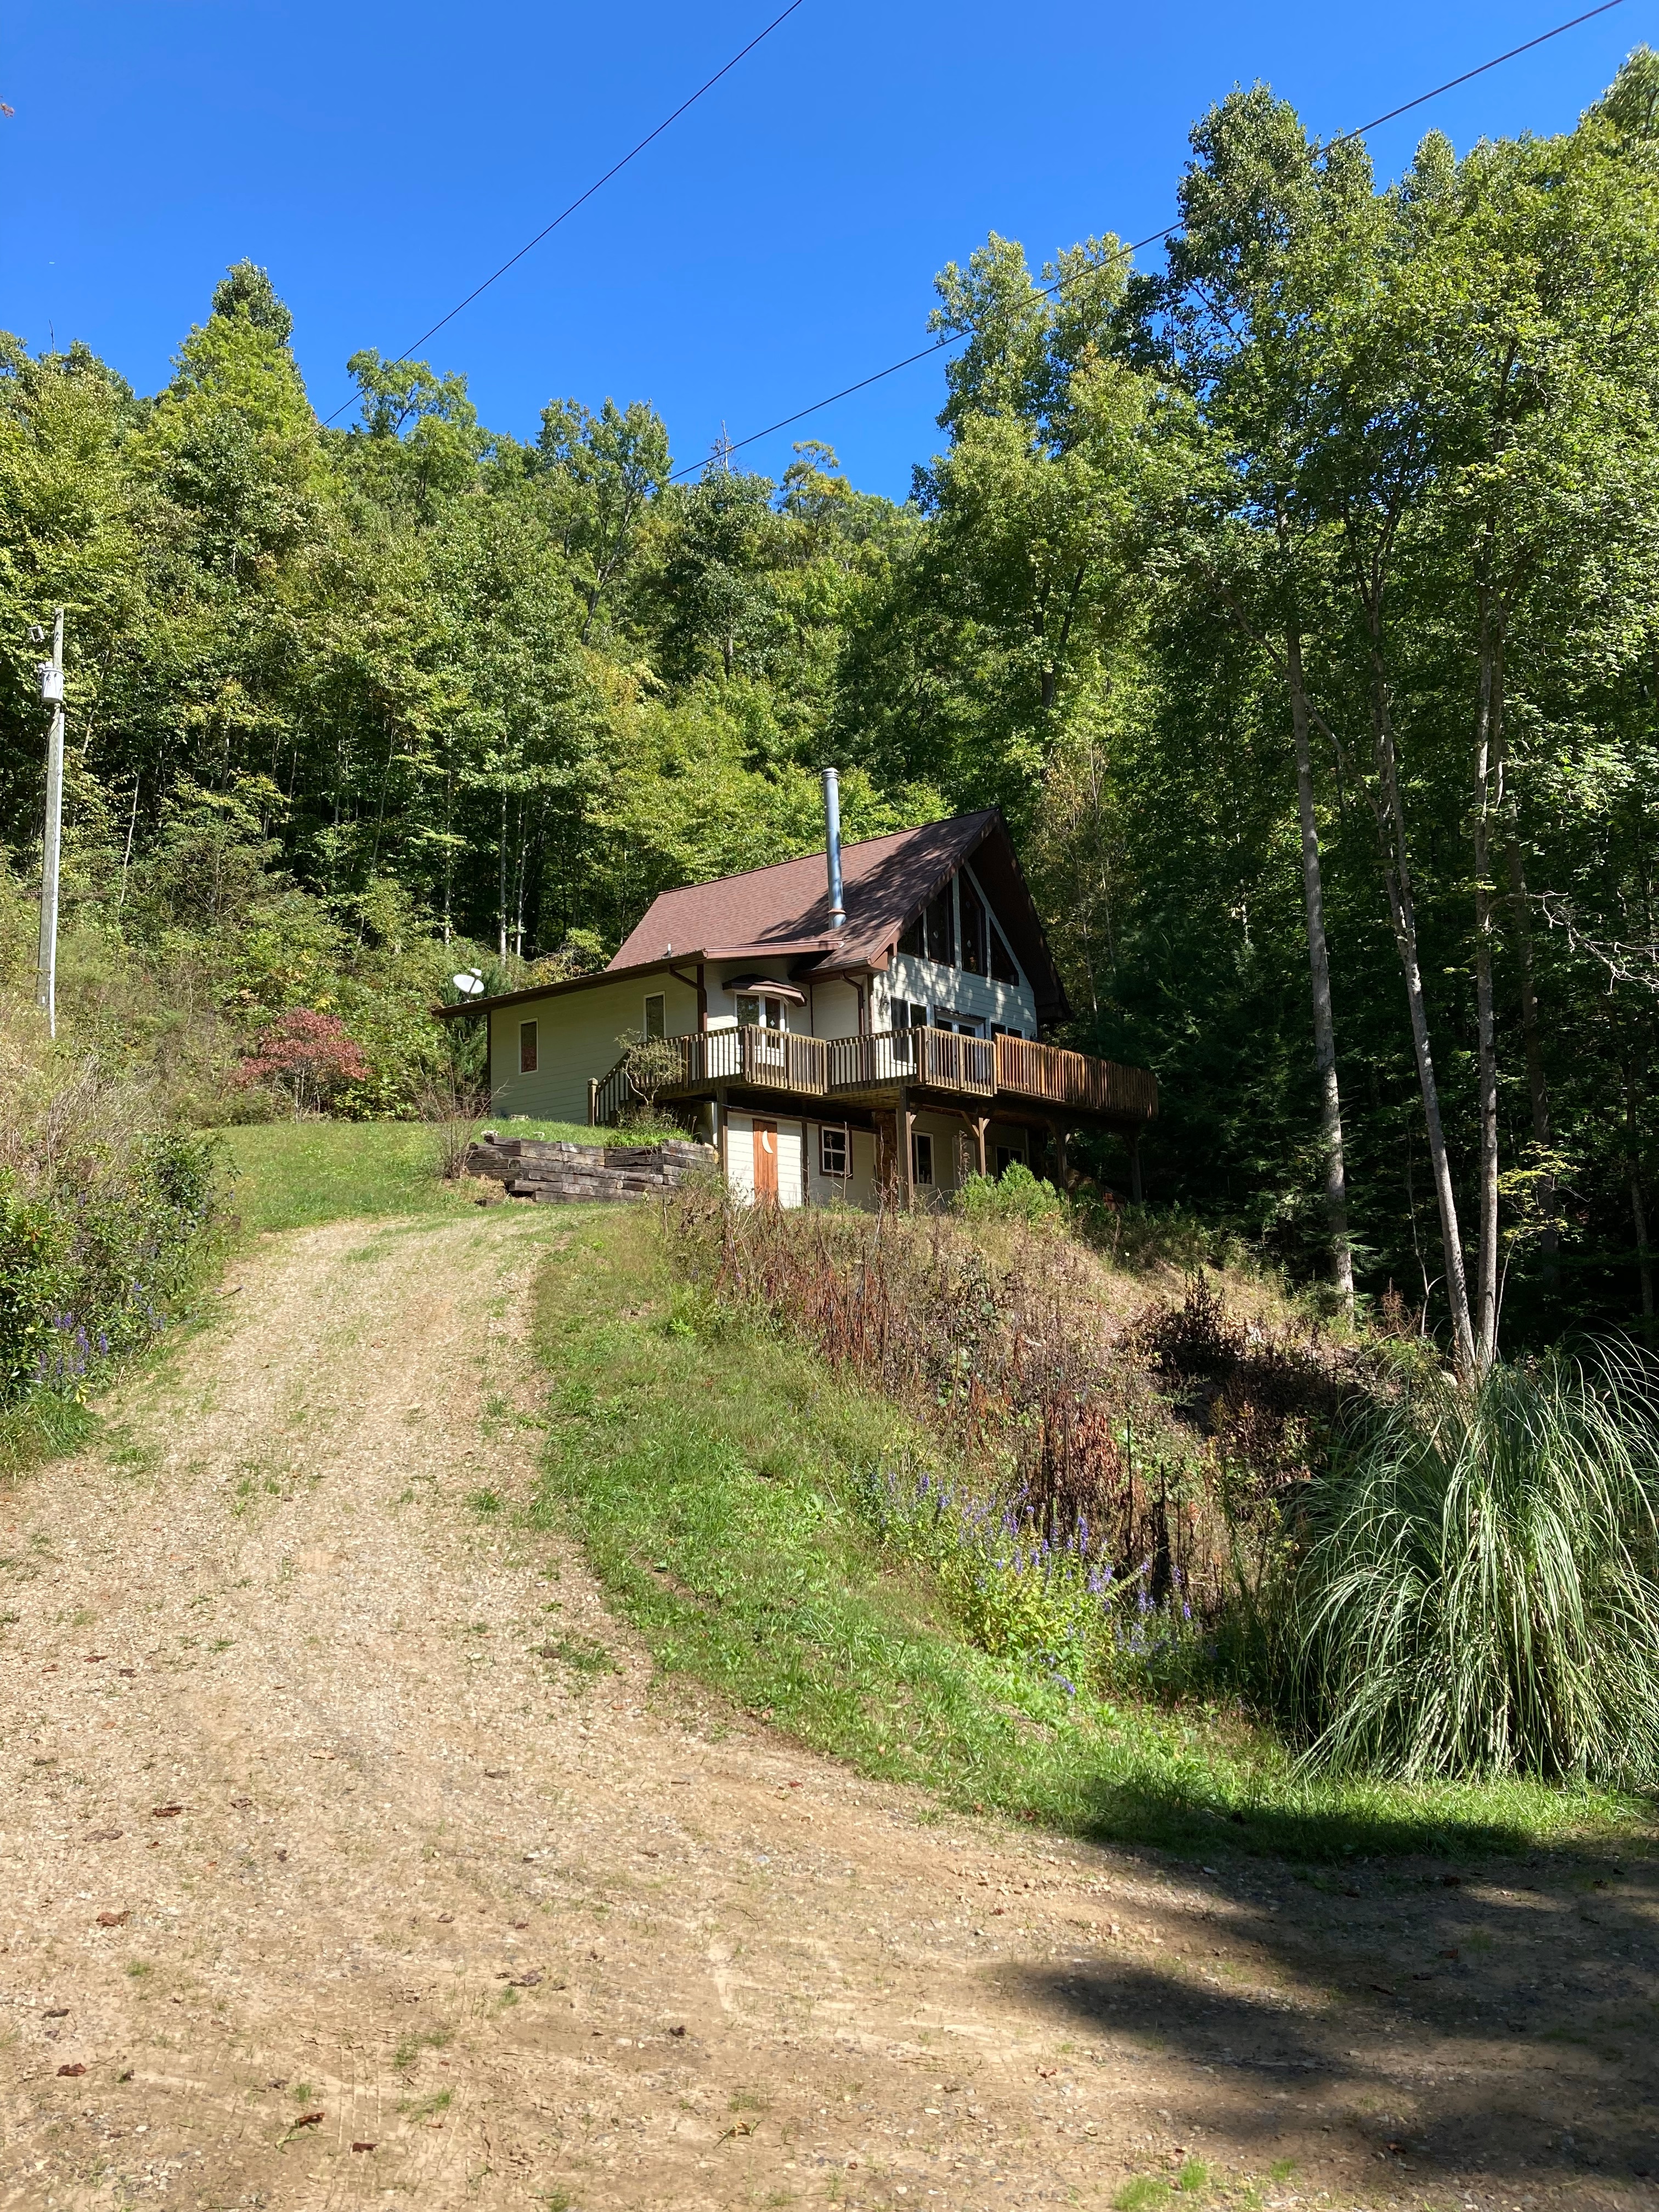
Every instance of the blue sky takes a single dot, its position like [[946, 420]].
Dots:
[[779, 241]]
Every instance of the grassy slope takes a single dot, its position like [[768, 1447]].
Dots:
[[710, 1472], [281, 1175], [295, 1175]]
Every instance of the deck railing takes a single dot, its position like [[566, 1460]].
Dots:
[[1078, 1080], [936, 1059], [926, 1058], [758, 1059]]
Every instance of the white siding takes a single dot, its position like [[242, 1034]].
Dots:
[[740, 1157], [926, 983], [1026, 1142], [576, 1037], [835, 1009], [857, 1188], [831, 1008], [953, 991], [946, 1130], [791, 1164], [723, 1001]]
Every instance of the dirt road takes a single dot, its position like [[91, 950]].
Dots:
[[349, 1853]]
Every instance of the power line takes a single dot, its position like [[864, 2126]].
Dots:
[[729, 446], [565, 213]]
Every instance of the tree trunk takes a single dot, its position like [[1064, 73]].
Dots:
[[1330, 1102], [1638, 1210], [520, 873], [1532, 1046], [1402, 913], [501, 938], [1487, 740]]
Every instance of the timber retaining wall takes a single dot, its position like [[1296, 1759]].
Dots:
[[559, 1174]]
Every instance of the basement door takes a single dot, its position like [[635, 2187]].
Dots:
[[766, 1163]]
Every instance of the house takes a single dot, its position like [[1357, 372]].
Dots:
[[851, 1023]]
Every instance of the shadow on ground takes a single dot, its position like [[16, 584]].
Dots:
[[1452, 2023]]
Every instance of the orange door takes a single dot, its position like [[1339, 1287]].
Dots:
[[766, 1161]]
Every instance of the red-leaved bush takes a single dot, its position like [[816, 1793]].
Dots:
[[309, 1055]]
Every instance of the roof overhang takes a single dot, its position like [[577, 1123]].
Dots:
[[766, 987], [571, 985]]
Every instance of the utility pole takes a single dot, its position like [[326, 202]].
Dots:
[[51, 693]]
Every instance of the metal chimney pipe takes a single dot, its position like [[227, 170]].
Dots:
[[832, 846]]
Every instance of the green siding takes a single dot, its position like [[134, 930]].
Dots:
[[575, 1042]]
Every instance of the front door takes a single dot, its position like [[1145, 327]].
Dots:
[[766, 1163]]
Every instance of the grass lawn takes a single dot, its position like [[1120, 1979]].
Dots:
[[293, 1175], [556, 1132], [578, 1133], [711, 1472]]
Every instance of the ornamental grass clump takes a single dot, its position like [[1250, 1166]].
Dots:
[[1476, 1591]]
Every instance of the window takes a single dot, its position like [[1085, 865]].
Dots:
[[832, 1153], [914, 942], [1001, 1028], [922, 1145], [941, 928], [902, 1015], [964, 1024], [526, 1048], [974, 923], [1003, 966], [655, 1010], [755, 1012], [1006, 1156]]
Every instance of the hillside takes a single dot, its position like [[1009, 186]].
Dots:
[[370, 1845], [353, 707]]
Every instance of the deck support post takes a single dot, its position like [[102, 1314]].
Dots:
[[720, 1135], [982, 1122], [906, 1148], [592, 1101], [1137, 1190], [1058, 1128]]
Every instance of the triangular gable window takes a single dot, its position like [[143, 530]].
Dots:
[[1003, 966]]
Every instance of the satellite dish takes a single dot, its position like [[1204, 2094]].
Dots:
[[468, 984]]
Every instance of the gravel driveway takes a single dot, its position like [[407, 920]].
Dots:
[[349, 1853]]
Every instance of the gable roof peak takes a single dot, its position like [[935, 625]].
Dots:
[[784, 907]]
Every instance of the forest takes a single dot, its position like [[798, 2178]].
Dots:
[[1297, 599]]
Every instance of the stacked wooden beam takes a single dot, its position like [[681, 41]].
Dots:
[[556, 1174]]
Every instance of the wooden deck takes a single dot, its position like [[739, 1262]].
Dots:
[[870, 1070]]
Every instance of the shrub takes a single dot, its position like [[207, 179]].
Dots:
[[1477, 1588], [1015, 1196], [1016, 1361], [105, 1220], [32, 1281], [456, 1108], [649, 1065], [310, 1056], [1197, 1337], [93, 1269]]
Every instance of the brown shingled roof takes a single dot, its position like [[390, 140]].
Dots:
[[886, 882]]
